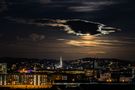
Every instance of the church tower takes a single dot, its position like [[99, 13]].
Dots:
[[61, 63]]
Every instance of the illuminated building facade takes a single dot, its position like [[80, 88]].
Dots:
[[23, 79], [3, 72], [3, 68]]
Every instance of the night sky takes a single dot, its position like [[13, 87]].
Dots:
[[68, 28]]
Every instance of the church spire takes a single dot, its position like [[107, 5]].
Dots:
[[61, 62]]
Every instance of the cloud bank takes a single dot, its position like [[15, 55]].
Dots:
[[78, 27], [89, 6], [73, 26]]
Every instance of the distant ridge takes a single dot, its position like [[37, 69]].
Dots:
[[16, 59]]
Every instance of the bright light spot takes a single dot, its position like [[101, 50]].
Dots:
[[109, 80], [88, 37], [82, 43]]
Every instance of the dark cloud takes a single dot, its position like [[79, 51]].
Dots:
[[87, 27], [78, 27], [72, 26], [36, 37], [32, 37], [83, 27], [49, 8], [89, 6]]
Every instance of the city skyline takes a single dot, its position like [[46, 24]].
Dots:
[[90, 72], [72, 29]]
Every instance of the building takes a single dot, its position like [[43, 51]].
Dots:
[[23, 79], [3, 68], [60, 65], [3, 72]]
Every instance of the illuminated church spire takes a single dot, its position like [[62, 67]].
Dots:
[[61, 63]]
